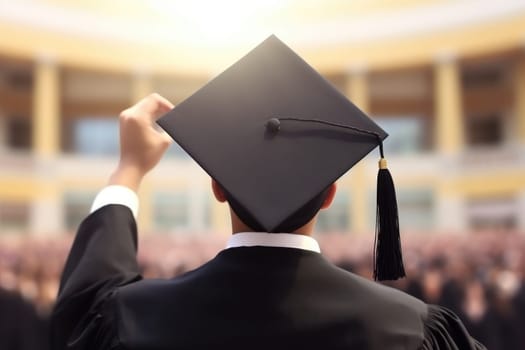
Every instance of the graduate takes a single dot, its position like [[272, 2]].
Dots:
[[274, 136]]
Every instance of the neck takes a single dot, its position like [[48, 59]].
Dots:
[[239, 226]]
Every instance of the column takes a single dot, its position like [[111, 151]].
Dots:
[[141, 86], [220, 218], [197, 188], [145, 217], [520, 100], [46, 207], [450, 210], [357, 91], [46, 109], [3, 132], [448, 116], [449, 142]]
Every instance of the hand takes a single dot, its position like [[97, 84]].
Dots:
[[141, 143]]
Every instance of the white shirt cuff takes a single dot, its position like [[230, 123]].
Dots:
[[116, 194]]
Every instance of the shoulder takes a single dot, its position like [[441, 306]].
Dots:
[[163, 294], [379, 296], [389, 310], [393, 316], [396, 314], [390, 317], [151, 308]]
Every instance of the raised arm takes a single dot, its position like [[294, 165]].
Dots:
[[103, 255], [142, 144]]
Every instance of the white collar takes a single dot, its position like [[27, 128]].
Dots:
[[284, 240]]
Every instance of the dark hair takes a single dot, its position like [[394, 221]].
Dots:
[[291, 223]]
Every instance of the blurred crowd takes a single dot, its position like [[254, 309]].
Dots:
[[480, 276]]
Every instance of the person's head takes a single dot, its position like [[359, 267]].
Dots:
[[287, 133], [302, 221]]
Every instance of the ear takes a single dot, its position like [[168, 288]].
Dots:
[[218, 192], [330, 197]]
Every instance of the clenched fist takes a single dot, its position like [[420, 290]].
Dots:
[[141, 143]]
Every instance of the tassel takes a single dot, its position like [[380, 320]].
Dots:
[[388, 259]]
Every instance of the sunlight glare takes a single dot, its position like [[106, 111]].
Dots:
[[221, 23]]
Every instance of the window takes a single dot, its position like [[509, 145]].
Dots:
[[203, 207], [416, 208], [19, 133], [487, 96], [19, 79], [96, 136], [489, 74], [337, 216], [14, 216], [77, 205], [100, 136], [485, 130], [406, 134], [171, 210], [492, 214]]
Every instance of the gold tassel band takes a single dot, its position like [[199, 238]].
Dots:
[[382, 163]]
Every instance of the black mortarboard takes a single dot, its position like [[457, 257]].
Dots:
[[275, 134]]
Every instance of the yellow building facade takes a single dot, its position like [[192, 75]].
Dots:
[[452, 99]]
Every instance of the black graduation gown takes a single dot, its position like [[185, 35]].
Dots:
[[244, 298], [18, 323]]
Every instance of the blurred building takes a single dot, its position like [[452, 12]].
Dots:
[[446, 79]]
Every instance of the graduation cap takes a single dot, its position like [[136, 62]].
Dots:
[[275, 135]]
